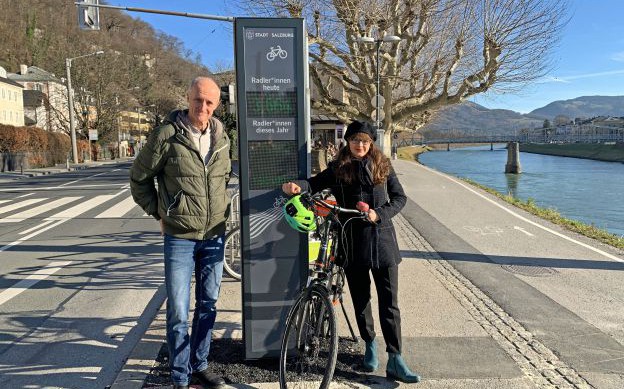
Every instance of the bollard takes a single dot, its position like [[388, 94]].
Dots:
[[67, 164]]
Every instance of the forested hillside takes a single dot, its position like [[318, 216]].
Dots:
[[141, 67]]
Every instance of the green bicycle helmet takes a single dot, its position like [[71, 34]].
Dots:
[[298, 216]]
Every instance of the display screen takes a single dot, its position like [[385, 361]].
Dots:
[[272, 163], [271, 104]]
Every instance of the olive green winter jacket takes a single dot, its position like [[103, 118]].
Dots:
[[191, 197]]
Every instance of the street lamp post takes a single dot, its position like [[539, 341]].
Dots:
[[70, 102], [378, 103]]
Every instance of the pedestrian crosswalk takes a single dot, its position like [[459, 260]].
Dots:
[[110, 206]]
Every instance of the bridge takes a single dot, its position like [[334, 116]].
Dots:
[[587, 133]]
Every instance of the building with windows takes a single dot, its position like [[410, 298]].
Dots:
[[11, 101], [45, 98]]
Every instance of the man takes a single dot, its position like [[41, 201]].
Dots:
[[189, 157]]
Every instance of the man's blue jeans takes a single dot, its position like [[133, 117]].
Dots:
[[182, 257]]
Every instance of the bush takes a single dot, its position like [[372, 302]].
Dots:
[[31, 147]]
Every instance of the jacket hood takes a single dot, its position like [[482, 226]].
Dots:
[[214, 123]]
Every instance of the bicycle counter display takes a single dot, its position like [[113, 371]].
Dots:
[[273, 120]]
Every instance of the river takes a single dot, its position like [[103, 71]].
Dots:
[[580, 189]]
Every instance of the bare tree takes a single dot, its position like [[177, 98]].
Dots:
[[449, 50]]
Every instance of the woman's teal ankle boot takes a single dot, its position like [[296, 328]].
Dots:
[[398, 370], [370, 363]]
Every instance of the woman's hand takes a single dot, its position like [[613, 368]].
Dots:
[[290, 188], [372, 216]]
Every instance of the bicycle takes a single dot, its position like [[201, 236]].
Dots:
[[232, 244], [276, 52], [309, 347]]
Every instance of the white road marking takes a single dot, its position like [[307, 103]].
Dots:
[[31, 280], [610, 256], [21, 204], [25, 238], [4, 201], [84, 178], [523, 230], [83, 207], [58, 187], [21, 216], [24, 195], [119, 209], [43, 224]]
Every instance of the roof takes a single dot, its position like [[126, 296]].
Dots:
[[320, 118], [34, 73], [10, 82]]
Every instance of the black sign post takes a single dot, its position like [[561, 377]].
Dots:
[[273, 120]]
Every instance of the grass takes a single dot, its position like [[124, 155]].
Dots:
[[411, 153]]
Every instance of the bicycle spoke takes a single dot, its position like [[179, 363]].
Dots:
[[310, 346]]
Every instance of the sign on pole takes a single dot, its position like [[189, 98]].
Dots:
[[93, 134], [273, 120], [88, 16]]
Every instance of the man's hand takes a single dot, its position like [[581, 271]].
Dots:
[[290, 188], [372, 216]]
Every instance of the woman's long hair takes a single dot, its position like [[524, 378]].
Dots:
[[346, 169]]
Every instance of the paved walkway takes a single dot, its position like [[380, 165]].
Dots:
[[455, 334]]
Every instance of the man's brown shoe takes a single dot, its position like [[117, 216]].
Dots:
[[208, 380]]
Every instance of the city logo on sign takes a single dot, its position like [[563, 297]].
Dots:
[[276, 52], [250, 34]]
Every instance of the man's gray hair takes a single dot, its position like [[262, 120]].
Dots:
[[197, 79]]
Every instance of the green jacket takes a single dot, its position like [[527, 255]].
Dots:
[[191, 198]]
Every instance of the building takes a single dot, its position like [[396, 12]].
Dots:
[[45, 98], [11, 101]]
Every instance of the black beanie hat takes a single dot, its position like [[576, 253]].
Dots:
[[363, 127]]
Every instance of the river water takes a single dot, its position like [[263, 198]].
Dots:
[[580, 189]]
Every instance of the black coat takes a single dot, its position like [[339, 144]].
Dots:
[[367, 244]]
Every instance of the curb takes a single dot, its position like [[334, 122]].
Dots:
[[141, 359]]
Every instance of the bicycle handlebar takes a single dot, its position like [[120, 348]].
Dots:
[[317, 199]]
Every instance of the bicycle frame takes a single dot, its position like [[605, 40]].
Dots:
[[324, 270]]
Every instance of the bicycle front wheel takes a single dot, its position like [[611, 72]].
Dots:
[[310, 342], [232, 254]]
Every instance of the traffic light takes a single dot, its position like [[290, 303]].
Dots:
[[88, 16], [228, 98]]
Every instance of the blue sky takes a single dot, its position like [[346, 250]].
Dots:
[[588, 61]]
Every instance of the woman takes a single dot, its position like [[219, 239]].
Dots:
[[361, 173]]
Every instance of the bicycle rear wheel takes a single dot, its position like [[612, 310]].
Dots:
[[232, 254], [310, 342]]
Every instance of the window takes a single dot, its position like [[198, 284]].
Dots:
[[15, 95], [3, 93]]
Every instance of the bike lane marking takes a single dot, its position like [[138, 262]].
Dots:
[[596, 250], [31, 280]]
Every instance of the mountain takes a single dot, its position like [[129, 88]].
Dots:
[[471, 116], [584, 106]]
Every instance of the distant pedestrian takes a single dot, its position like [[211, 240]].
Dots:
[[361, 173], [189, 157]]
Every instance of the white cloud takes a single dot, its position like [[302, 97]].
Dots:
[[569, 79], [618, 56]]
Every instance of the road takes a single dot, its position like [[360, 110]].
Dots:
[[80, 278], [563, 288]]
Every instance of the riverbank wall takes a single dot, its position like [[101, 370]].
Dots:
[[596, 151]]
